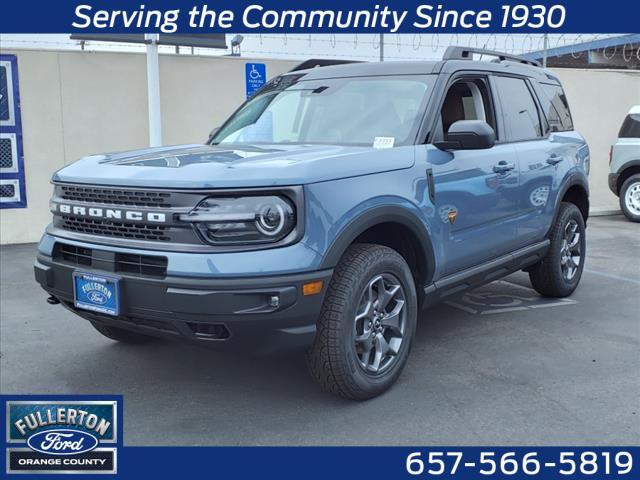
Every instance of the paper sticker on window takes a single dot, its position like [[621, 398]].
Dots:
[[383, 142]]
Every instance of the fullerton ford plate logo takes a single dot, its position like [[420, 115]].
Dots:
[[62, 436], [96, 292]]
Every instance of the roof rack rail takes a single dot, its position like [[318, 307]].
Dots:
[[324, 62], [466, 53]]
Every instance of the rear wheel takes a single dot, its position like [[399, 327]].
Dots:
[[559, 272], [366, 325], [630, 198], [121, 335]]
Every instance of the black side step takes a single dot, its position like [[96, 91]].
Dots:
[[484, 273]]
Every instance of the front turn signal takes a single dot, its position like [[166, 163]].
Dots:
[[312, 288]]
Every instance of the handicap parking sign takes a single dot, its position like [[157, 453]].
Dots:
[[255, 76]]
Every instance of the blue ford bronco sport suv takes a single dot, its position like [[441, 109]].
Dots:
[[327, 211]]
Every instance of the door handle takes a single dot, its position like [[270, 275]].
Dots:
[[554, 159], [503, 167]]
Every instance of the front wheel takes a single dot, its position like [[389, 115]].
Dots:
[[366, 325], [559, 272], [630, 198]]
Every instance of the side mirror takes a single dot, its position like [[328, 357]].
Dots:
[[468, 135], [212, 133]]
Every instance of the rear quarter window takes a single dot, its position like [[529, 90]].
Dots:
[[630, 127], [556, 108]]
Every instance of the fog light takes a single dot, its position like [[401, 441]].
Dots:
[[274, 301], [312, 288]]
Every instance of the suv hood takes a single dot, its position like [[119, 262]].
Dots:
[[205, 166]]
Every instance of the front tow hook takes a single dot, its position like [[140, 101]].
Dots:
[[53, 300]]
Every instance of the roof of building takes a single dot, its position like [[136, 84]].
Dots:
[[622, 51]]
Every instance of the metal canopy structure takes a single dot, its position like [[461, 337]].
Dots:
[[214, 40], [614, 52]]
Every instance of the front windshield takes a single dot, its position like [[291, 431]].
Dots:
[[343, 111]]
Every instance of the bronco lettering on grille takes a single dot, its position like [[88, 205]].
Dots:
[[109, 213]]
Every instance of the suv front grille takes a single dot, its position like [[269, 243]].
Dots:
[[72, 254], [147, 265], [133, 231], [111, 196], [141, 264], [102, 211]]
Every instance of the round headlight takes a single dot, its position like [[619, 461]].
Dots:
[[270, 219], [248, 219]]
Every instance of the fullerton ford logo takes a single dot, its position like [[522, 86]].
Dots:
[[71, 434], [108, 213], [97, 293], [62, 442]]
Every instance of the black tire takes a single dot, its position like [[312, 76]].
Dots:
[[334, 359], [633, 182], [551, 277], [121, 335]]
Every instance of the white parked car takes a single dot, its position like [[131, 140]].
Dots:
[[624, 165]]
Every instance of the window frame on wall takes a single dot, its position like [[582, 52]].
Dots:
[[11, 128]]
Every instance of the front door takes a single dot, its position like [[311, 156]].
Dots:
[[475, 190]]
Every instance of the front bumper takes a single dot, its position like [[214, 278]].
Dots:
[[613, 183], [219, 312]]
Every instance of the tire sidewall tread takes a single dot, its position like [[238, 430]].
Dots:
[[546, 276], [331, 359]]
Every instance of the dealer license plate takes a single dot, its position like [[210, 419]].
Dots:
[[96, 293]]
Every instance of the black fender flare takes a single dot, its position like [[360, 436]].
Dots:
[[625, 166], [623, 174], [571, 181], [373, 217]]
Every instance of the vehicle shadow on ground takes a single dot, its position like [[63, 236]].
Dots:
[[176, 368]]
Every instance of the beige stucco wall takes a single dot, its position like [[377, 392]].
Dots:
[[599, 100], [77, 103]]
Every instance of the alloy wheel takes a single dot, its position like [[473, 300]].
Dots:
[[571, 249], [380, 323]]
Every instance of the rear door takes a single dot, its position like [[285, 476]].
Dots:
[[538, 153]]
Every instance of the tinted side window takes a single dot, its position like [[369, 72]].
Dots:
[[630, 127], [554, 103], [519, 109], [466, 99]]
